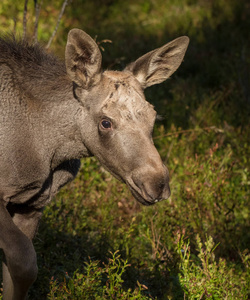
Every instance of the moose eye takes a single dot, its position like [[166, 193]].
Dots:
[[106, 124]]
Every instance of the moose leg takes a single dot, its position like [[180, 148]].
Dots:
[[19, 267]]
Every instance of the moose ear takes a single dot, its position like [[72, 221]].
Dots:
[[159, 64], [83, 59]]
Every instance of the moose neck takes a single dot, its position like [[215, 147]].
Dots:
[[61, 117]]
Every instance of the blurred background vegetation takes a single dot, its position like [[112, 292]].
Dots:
[[95, 241]]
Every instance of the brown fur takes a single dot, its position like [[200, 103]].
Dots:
[[51, 115]]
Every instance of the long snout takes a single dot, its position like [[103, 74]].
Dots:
[[150, 184]]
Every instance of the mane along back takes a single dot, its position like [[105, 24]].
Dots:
[[30, 58], [39, 75]]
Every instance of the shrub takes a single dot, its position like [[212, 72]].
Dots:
[[97, 282], [203, 277]]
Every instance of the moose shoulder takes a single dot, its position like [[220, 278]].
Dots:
[[51, 115]]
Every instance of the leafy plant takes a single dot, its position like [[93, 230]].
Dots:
[[204, 277], [91, 284]]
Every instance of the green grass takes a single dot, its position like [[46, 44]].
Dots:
[[95, 241]]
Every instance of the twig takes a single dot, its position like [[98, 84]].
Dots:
[[14, 27], [101, 42], [169, 150], [58, 22], [37, 9], [190, 130], [25, 18]]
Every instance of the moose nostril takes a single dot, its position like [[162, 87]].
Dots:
[[161, 190], [152, 187], [161, 186], [154, 191]]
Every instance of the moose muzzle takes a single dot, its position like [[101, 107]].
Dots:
[[150, 185]]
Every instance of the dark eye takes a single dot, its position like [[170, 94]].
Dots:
[[106, 124]]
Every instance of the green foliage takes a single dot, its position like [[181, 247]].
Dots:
[[91, 284], [202, 277], [166, 251]]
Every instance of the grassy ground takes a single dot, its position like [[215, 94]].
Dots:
[[95, 241]]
